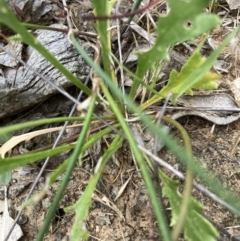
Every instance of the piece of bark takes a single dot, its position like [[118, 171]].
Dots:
[[21, 88]]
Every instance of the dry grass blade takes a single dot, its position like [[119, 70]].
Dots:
[[104, 200], [14, 141], [123, 187]]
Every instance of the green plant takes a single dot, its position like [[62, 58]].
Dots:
[[194, 75]]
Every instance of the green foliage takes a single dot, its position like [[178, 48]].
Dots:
[[196, 227], [185, 21], [5, 130], [10, 163], [176, 80], [194, 77], [83, 204], [206, 66], [174, 28], [131, 140], [207, 82], [5, 137], [5, 178], [103, 8], [78, 151]]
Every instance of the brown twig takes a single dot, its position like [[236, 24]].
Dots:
[[76, 32]]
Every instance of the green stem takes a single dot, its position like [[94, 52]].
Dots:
[[188, 181], [157, 207], [135, 7]]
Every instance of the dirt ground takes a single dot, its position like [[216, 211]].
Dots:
[[129, 216]]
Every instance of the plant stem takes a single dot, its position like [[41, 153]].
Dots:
[[188, 181]]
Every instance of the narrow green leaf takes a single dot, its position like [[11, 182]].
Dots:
[[103, 8], [15, 127], [10, 163], [135, 6], [139, 157]]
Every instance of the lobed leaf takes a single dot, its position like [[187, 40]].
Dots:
[[83, 204], [208, 81], [185, 21], [196, 227]]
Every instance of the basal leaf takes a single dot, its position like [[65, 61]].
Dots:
[[196, 227], [195, 76], [208, 81]]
